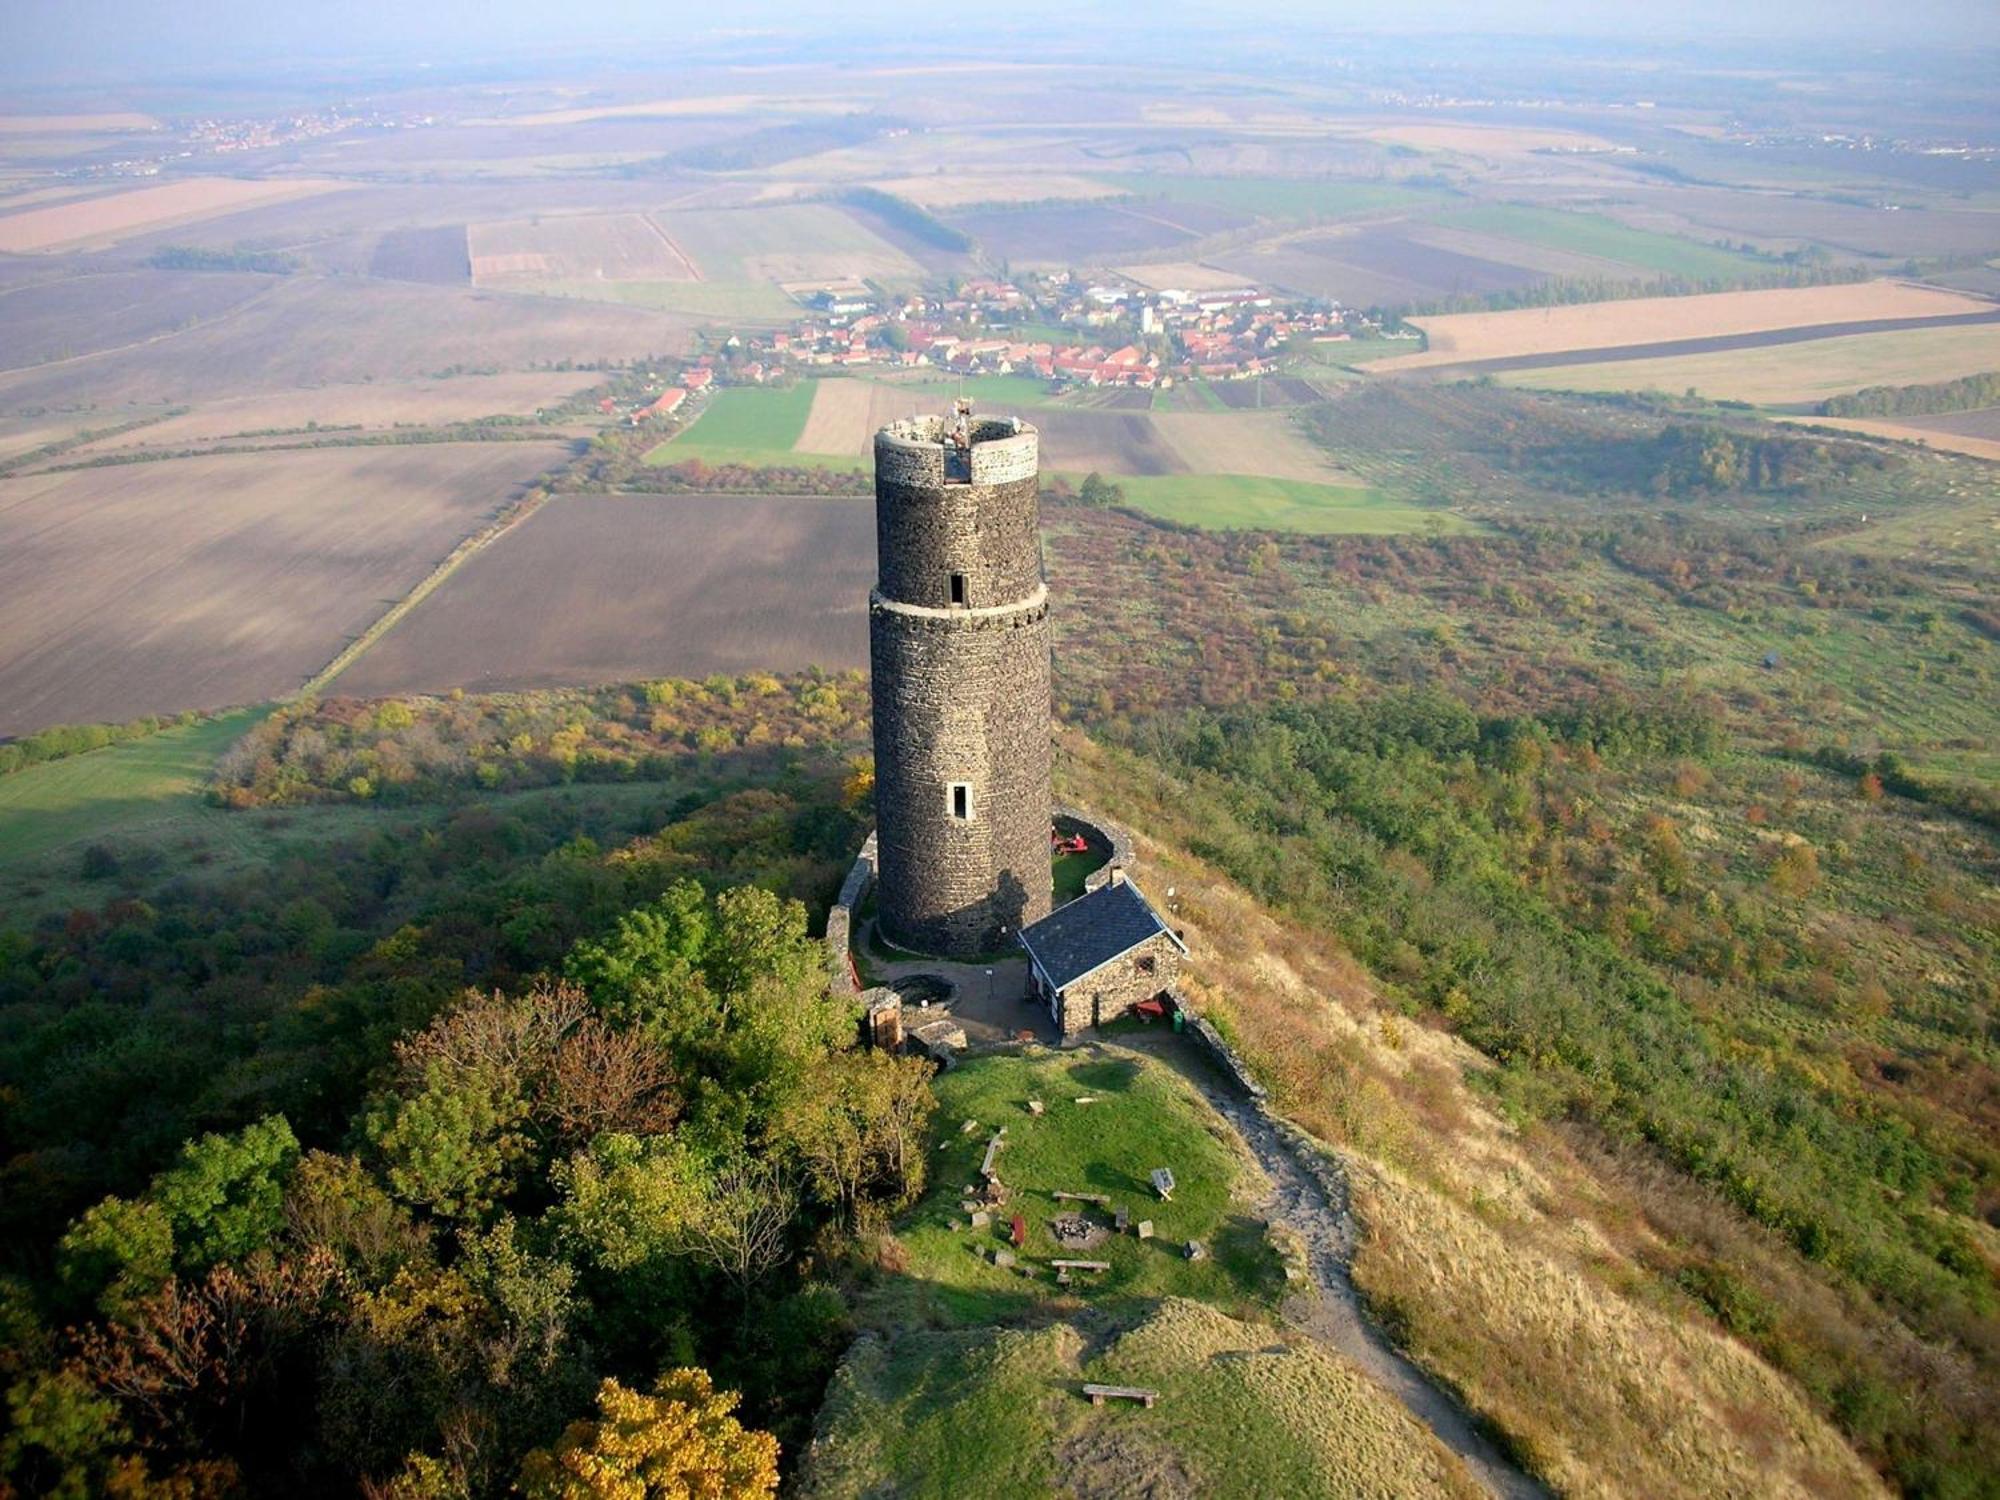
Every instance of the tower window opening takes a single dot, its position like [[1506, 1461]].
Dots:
[[961, 800], [958, 588]]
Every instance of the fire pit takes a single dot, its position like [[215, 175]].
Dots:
[[1075, 1232]]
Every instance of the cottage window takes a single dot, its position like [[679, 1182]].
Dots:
[[961, 799], [958, 588], [1148, 964]]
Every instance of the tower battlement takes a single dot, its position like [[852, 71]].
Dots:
[[959, 648]]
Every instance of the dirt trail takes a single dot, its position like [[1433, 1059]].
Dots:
[[1323, 1219]]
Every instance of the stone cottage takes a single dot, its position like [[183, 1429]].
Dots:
[[1096, 957]]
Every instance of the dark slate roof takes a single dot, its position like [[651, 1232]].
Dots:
[[1090, 931]]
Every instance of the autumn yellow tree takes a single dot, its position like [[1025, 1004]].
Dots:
[[683, 1442]]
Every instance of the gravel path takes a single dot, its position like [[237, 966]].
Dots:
[[1316, 1207]]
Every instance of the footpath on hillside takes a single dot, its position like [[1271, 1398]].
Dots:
[[1316, 1208]]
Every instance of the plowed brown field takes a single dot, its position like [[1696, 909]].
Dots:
[[205, 582]]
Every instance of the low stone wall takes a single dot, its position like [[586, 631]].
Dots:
[[1203, 1034], [1119, 840], [840, 920]]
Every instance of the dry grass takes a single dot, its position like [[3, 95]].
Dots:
[[105, 221], [1576, 1372], [1522, 1271], [1459, 337], [1244, 1411], [1246, 442]]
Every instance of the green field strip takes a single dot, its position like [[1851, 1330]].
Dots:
[[761, 417], [112, 790], [1607, 239], [1238, 502]]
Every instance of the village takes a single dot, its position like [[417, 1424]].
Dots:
[[1072, 332]]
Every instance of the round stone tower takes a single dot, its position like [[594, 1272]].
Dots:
[[958, 640]]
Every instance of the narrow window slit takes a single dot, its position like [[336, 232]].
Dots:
[[958, 588]]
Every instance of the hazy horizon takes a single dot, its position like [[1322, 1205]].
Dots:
[[95, 41]]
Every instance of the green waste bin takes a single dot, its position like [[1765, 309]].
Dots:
[[1180, 1020]]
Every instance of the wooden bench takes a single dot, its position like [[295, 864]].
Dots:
[[1099, 1394], [1081, 1197], [1081, 1265]]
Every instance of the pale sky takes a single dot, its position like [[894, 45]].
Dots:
[[41, 39]]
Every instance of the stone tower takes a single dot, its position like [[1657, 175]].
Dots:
[[958, 640]]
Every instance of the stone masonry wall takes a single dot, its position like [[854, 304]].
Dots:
[[961, 689], [1107, 993], [987, 533], [961, 698]]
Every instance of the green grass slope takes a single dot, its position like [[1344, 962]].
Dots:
[[968, 1382], [121, 787]]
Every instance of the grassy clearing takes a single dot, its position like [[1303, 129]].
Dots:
[[1278, 197], [114, 790], [1783, 374], [1145, 1117], [1235, 502], [1593, 234], [969, 1383]]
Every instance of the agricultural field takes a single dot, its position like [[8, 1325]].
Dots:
[[1182, 275], [1371, 267], [121, 216], [94, 314], [765, 425], [1244, 442], [836, 419], [434, 256], [369, 406], [1068, 234], [784, 243], [208, 582], [1465, 338], [1975, 434], [530, 253], [313, 331], [1787, 374], [1601, 239], [1276, 197], [612, 588], [1873, 231], [941, 193], [1110, 442]]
